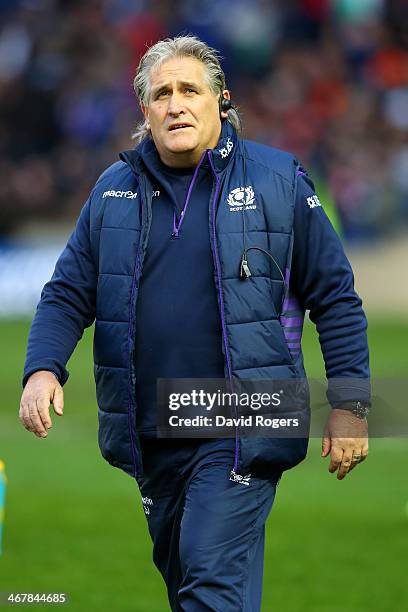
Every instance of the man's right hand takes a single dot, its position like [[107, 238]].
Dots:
[[41, 390]]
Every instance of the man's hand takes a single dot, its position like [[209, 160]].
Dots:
[[346, 438], [41, 390]]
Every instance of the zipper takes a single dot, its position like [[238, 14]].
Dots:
[[136, 463], [177, 227], [131, 334], [221, 298]]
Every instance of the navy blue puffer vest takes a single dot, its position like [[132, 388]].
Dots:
[[254, 344]]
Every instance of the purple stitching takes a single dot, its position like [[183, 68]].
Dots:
[[290, 303], [133, 289], [176, 228], [292, 335], [294, 345], [217, 263], [292, 321]]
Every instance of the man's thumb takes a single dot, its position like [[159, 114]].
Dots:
[[58, 400], [325, 445]]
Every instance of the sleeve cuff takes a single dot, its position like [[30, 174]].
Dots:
[[342, 390], [60, 373]]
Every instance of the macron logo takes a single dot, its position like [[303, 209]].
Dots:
[[119, 194]]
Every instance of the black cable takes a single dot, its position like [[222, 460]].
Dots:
[[245, 272], [254, 248]]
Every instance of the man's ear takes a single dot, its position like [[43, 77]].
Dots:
[[225, 94]]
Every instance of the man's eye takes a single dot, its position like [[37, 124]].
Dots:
[[162, 93], [190, 90]]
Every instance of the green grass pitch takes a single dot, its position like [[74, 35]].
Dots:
[[76, 525]]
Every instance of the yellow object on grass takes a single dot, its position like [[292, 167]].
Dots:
[[3, 482]]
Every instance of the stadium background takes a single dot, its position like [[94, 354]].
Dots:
[[325, 79]]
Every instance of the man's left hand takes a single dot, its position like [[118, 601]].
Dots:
[[346, 439]]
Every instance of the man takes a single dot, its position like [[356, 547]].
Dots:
[[197, 254]]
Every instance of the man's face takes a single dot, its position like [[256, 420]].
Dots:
[[182, 112]]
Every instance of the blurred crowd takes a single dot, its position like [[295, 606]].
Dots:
[[324, 79]]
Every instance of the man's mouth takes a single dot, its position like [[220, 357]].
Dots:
[[178, 126]]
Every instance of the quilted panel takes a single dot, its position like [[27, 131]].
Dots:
[[111, 344], [256, 344], [113, 297]]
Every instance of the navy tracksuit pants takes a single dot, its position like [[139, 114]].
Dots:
[[208, 531]]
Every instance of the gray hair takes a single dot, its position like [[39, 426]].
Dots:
[[180, 46]]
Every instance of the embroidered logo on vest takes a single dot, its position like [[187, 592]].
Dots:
[[147, 504], [244, 480], [112, 193], [313, 201], [225, 151], [240, 197]]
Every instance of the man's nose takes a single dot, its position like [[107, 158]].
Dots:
[[175, 106]]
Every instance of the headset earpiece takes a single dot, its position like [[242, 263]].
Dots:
[[225, 104]]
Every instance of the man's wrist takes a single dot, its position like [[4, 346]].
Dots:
[[359, 408], [43, 372]]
